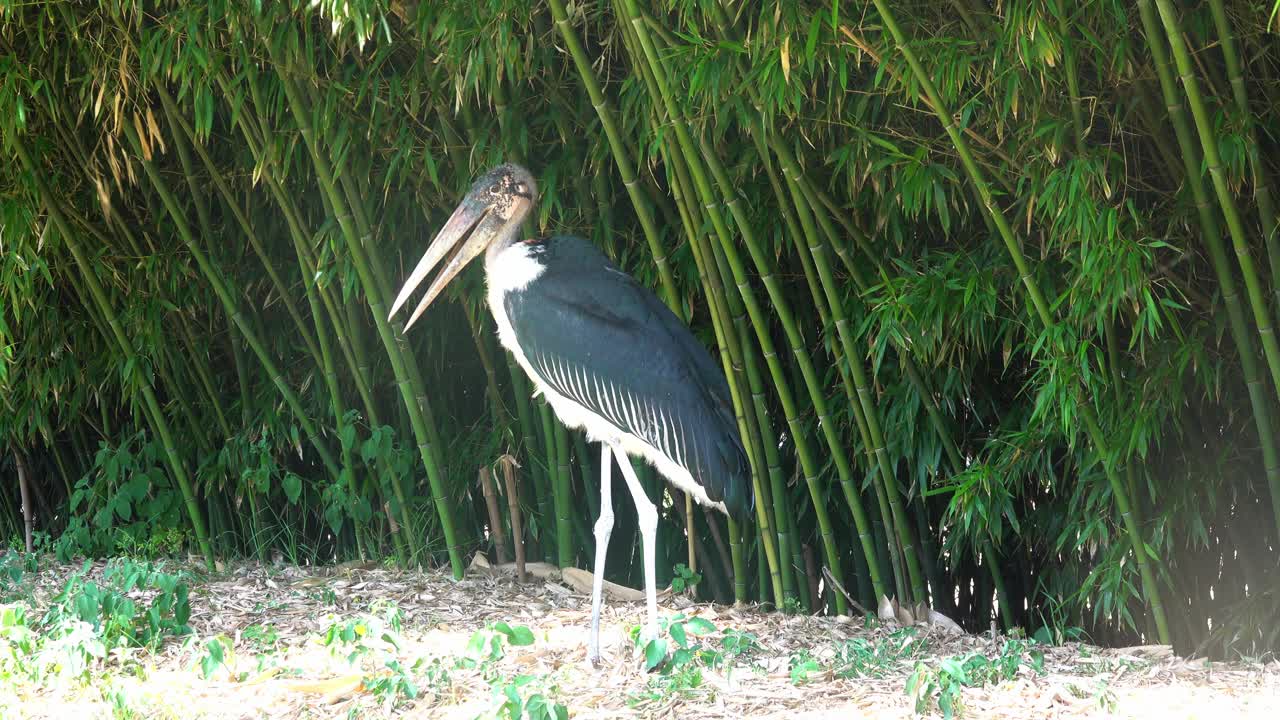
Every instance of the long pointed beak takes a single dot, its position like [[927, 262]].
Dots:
[[466, 219]]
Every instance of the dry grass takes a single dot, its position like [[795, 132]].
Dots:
[[275, 618]]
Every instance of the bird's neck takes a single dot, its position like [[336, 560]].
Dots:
[[510, 264], [508, 237]]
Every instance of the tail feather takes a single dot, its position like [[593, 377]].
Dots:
[[734, 476]]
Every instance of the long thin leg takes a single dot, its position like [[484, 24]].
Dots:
[[647, 515], [604, 527]]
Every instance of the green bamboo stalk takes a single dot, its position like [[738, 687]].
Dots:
[[228, 299], [377, 309], [564, 503], [1212, 235], [864, 410], [165, 367], [728, 321], [550, 497], [859, 403], [492, 393], [1073, 80], [621, 158], [1084, 407], [205, 376], [103, 305], [590, 476], [353, 352], [781, 306], [309, 268], [737, 342], [817, 200], [1261, 181], [721, 325], [531, 430], [620, 151], [1235, 226]]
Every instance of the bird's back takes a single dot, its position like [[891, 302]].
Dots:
[[603, 340]]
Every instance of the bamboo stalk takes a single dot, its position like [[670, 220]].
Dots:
[[495, 520], [781, 307], [1041, 308], [621, 157], [728, 321], [549, 496], [220, 288], [28, 514], [1240, 331], [864, 409], [725, 313], [1226, 201], [564, 537], [99, 296], [1267, 216], [378, 309], [353, 352]]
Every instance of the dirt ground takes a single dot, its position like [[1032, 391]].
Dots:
[[286, 656]]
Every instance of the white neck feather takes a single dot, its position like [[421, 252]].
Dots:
[[510, 266]]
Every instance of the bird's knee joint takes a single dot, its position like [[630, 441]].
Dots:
[[604, 524]]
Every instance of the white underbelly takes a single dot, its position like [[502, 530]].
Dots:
[[598, 429]]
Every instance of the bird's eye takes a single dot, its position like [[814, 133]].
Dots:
[[494, 188], [522, 189]]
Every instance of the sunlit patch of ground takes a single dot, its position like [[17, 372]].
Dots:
[[284, 654]]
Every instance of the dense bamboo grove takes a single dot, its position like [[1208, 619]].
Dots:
[[994, 285]]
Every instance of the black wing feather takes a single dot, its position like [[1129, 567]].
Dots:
[[600, 338]]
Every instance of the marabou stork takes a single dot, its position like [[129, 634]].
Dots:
[[606, 353]]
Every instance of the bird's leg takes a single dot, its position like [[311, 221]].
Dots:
[[604, 527], [647, 515]]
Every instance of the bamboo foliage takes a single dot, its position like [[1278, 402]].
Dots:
[[962, 266]]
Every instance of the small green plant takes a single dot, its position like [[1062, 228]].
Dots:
[[361, 636], [161, 542], [522, 696], [121, 707], [943, 685], [390, 687], [678, 655], [684, 580], [17, 640], [399, 682], [125, 503], [13, 565], [678, 627], [515, 702], [262, 638], [114, 616], [487, 646], [219, 653], [803, 666], [738, 644], [861, 658]]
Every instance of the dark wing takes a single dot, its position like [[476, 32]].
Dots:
[[598, 337]]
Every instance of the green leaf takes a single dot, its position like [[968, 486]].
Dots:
[[700, 626], [654, 653], [292, 487], [520, 635], [678, 634]]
